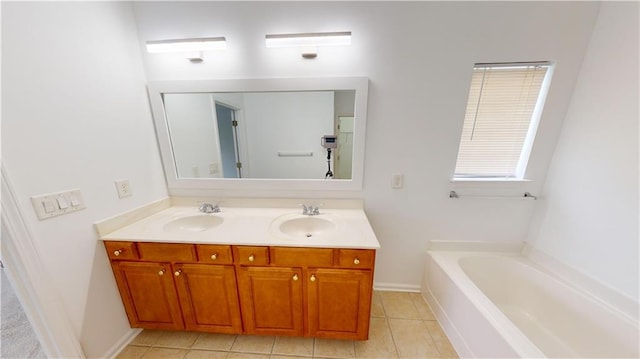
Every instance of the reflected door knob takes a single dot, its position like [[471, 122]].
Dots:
[[214, 256], [313, 278], [295, 276], [118, 252], [356, 261], [177, 273], [252, 258], [162, 271]]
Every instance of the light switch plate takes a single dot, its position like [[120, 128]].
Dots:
[[397, 180], [58, 203]]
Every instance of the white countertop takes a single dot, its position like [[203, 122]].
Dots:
[[252, 226]]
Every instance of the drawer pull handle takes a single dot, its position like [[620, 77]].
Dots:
[[295, 276], [214, 256], [252, 258], [118, 252], [313, 278], [162, 271], [356, 261], [177, 273]]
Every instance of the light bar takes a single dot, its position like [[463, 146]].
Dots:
[[309, 39], [187, 45]]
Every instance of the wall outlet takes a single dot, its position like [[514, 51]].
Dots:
[[124, 188], [213, 168]]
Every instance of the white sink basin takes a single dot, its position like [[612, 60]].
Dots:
[[197, 223], [307, 226]]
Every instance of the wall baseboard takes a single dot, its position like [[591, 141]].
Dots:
[[397, 287], [121, 343]]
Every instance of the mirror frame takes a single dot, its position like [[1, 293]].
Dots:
[[360, 84]]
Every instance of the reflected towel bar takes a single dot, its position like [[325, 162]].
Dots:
[[294, 154], [527, 195]]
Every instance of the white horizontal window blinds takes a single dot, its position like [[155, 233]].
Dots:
[[502, 101]]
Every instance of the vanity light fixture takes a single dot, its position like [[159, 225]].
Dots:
[[309, 42], [192, 47]]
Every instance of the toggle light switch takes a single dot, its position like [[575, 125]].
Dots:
[[62, 203], [48, 205], [397, 180]]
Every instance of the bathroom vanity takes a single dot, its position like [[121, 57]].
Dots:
[[270, 271]]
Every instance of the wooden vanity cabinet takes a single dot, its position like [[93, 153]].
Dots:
[[308, 292], [165, 286], [313, 292], [208, 297], [271, 299], [148, 294]]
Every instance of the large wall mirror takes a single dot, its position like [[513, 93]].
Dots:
[[262, 133]]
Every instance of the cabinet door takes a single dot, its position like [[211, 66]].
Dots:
[[148, 295], [271, 300], [208, 297], [339, 303]]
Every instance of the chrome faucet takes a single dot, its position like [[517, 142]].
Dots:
[[209, 208], [310, 210]]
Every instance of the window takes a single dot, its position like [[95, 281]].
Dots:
[[503, 109]]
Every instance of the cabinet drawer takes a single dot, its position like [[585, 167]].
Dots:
[[121, 250], [251, 255], [170, 252], [309, 257], [357, 258], [214, 254]]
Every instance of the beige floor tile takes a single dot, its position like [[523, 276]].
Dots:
[[147, 337], [380, 343], [278, 356], [165, 353], [206, 354], [132, 352], [176, 339], [293, 346], [233, 355], [441, 341], [253, 344], [412, 339], [399, 305], [423, 308], [210, 341], [333, 348], [376, 305]]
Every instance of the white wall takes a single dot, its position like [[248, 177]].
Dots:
[[419, 58], [75, 114], [287, 122], [193, 132], [588, 217]]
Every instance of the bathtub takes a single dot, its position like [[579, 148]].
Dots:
[[503, 305]]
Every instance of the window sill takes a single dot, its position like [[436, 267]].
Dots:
[[489, 180]]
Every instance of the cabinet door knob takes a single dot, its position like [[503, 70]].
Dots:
[[356, 261], [177, 273], [313, 278], [162, 271], [295, 276], [252, 258], [214, 256], [118, 252]]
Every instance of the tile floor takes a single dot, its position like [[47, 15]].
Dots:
[[402, 326]]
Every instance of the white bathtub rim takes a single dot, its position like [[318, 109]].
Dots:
[[515, 338], [606, 295]]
